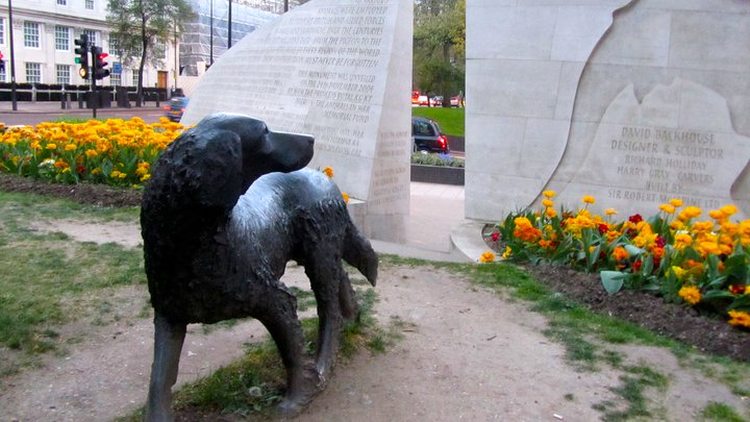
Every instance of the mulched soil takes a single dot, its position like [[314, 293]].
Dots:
[[704, 331], [647, 310], [672, 320], [85, 193]]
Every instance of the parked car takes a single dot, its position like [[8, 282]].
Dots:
[[436, 101], [458, 101], [415, 98], [427, 137], [175, 108], [423, 100]]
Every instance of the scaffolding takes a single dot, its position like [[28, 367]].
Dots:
[[206, 38]]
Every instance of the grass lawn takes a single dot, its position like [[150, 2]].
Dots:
[[49, 279], [451, 120]]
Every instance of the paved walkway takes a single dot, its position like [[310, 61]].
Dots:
[[436, 227], [46, 107]]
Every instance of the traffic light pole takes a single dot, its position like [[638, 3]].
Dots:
[[93, 69], [92, 76]]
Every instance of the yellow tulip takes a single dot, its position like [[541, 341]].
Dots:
[[486, 257], [690, 294]]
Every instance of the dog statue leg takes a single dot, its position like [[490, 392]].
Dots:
[[280, 319], [347, 300], [168, 339], [325, 273]]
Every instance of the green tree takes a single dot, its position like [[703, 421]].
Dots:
[[142, 28], [439, 46]]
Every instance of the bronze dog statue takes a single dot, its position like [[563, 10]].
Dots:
[[226, 208]]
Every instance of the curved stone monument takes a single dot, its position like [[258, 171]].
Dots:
[[634, 102], [341, 71]]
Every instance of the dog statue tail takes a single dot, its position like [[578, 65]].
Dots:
[[359, 253]]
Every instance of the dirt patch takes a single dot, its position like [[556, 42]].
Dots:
[[125, 234], [465, 354], [85, 193]]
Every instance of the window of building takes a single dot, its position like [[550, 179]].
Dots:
[[63, 74], [62, 2], [62, 38], [114, 45], [135, 77], [90, 4], [31, 34], [33, 73], [2, 31], [3, 78], [115, 79], [92, 36]]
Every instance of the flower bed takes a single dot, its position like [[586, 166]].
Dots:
[[115, 152], [702, 263], [437, 168], [437, 174]]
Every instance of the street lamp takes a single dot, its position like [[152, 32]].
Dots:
[[12, 58], [229, 43], [211, 59]]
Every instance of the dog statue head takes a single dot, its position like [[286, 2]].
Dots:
[[212, 164]]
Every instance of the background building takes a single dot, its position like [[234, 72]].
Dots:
[[44, 31], [43, 34], [206, 38]]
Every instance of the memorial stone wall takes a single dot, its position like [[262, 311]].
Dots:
[[341, 71], [631, 101]]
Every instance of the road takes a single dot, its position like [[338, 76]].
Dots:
[[31, 113]]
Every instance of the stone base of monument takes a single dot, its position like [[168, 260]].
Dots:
[[437, 174], [384, 227], [356, 208], [467, 239]]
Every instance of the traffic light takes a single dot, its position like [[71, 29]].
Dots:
[[83, 55], [100, 71]]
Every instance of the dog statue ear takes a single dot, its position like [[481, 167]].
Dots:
[[220, 170]]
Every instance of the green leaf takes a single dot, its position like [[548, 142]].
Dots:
[[691, 253], [648, 265], [633, 250], [593, 257], [741, 303], [612, 281], [736, 268], [717, 282], [717, 294]]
